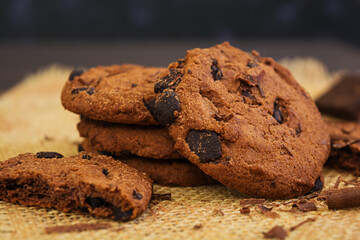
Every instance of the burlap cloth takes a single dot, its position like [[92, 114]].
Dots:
[[32, 119]]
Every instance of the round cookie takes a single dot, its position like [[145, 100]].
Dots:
[[144, 141], [117, 93], [178, 172], [243, 120], [86, 183]]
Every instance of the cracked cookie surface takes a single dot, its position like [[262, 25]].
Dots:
[[243, 120], [117, 93], [86, 183]]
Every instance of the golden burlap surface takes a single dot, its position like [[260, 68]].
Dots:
[[32, 119]]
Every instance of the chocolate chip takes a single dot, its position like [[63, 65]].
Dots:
[[246, 93], [206, 144], [49, 155], [80, 148], [317, 186], [137, 195], [122, 216], [85, 156], [150, 105], [166, 82], [133, 85], [216, 71], [105, 172], [165, 107], [189, 71], [277, 114], [95, 202], [89, 90], [75, 73]]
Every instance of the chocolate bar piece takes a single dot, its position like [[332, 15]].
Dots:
[[343, 100]]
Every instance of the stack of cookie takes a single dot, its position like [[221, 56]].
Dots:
[[113, 104], [240, 118]]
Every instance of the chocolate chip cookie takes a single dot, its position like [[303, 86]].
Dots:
[[85, 183], [345, 145], [244, 120], [179, 172], [117, 93], [144, 141]]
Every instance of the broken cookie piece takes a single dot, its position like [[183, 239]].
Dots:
[[97, 185]]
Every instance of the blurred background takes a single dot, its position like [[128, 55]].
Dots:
[[37, 33]]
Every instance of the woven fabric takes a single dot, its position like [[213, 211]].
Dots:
[[32, 119]]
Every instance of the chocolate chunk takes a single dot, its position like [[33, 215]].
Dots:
[[122, 216], [343, 99], [216, 71], [150, 105], [165, 82], [317, 186], [137, 195], [75, 73], [165, 108], [80, 148], [105, 172], [85, 156], [277, 114], [49, 155], [133, 85], [95, 202], [117, 213], [246, 93], [89, 90], [206, 144]]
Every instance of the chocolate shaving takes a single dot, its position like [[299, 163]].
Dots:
[[344, 198], [165, 196], [265, 209], [353, 182], [267, 212], [305, 206], [310, 196], [219, 212], [337, 183], [77, 228], [245, 210], [276, 232], [252, 201], [197, 226], [302, 223], [342, 144]]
